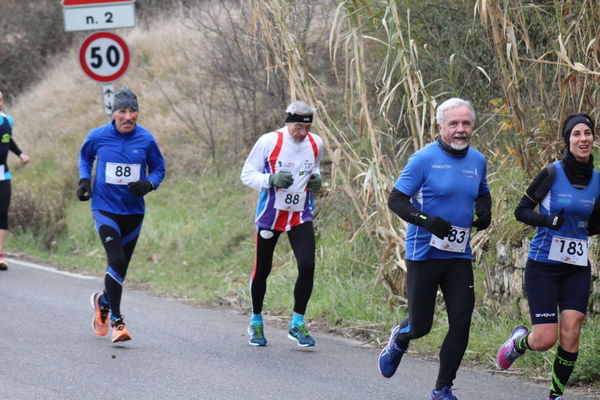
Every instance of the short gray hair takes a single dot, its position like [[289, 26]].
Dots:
[[453, 103], [300, 107]]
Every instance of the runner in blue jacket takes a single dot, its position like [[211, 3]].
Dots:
[[129, 165]]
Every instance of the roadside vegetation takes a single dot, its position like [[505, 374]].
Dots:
[[211, 78]]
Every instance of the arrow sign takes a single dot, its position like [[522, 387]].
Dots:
[[108, 97]]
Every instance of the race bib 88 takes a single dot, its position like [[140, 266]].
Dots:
[[122, 174], [290, 201]]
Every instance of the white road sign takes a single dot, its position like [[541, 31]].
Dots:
[[99, 16]]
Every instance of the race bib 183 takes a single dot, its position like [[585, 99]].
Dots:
[[569, 250]]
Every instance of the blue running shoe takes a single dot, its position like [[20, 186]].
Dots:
[[301, 336], [444, 393], [507, 354], [257, 336], [390, 356]]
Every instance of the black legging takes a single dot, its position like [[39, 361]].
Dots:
[[4, 203], [302, 240], [455, 278], [119, 235]]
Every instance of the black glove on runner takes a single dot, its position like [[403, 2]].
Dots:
[[436, 225], [84, 191], [555, 221], [484, 218], [140, 188]]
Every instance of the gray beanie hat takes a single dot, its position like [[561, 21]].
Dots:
[[125, 99]]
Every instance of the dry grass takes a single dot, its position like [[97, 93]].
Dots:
[[548, 59]]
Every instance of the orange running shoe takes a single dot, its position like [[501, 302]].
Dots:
[[100, 321], [119, 330], [3, 264]]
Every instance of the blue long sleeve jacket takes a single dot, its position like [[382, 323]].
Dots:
[[120, 158]]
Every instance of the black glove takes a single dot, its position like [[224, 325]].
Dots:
[[436, 225], [555, 221], [84, 191], [484, 218], [282, 180], [140, 188]]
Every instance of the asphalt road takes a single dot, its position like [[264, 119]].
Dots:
[[48, 350]]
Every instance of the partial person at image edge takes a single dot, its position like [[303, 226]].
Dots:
[[7, 143]]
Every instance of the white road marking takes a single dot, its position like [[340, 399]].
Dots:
[[50, 269]]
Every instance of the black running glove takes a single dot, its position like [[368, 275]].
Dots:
[[84, 191], [555, 221], [282, 180], [140, 188], [484, 218], [436, 225]]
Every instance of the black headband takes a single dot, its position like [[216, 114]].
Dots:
[[574, 120], [299, 118]]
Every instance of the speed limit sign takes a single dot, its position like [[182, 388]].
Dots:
[[104, 56]]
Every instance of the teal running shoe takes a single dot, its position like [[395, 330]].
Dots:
[[301, 336], [257, 335]]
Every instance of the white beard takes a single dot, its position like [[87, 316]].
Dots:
[[459, 146]]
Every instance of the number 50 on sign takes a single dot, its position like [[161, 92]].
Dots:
[[104, 56]]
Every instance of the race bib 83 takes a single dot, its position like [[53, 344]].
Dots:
[[455, 242]]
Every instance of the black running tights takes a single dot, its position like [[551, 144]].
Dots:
[[455, 278], [119, 235], [302, 240]]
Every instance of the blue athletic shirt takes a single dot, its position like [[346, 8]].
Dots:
[[443, 185], [6, 125], [578, 205], [107, 145]]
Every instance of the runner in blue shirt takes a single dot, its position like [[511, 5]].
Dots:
[[129, 165], [558, 272], [438, 193], [7, 143]]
